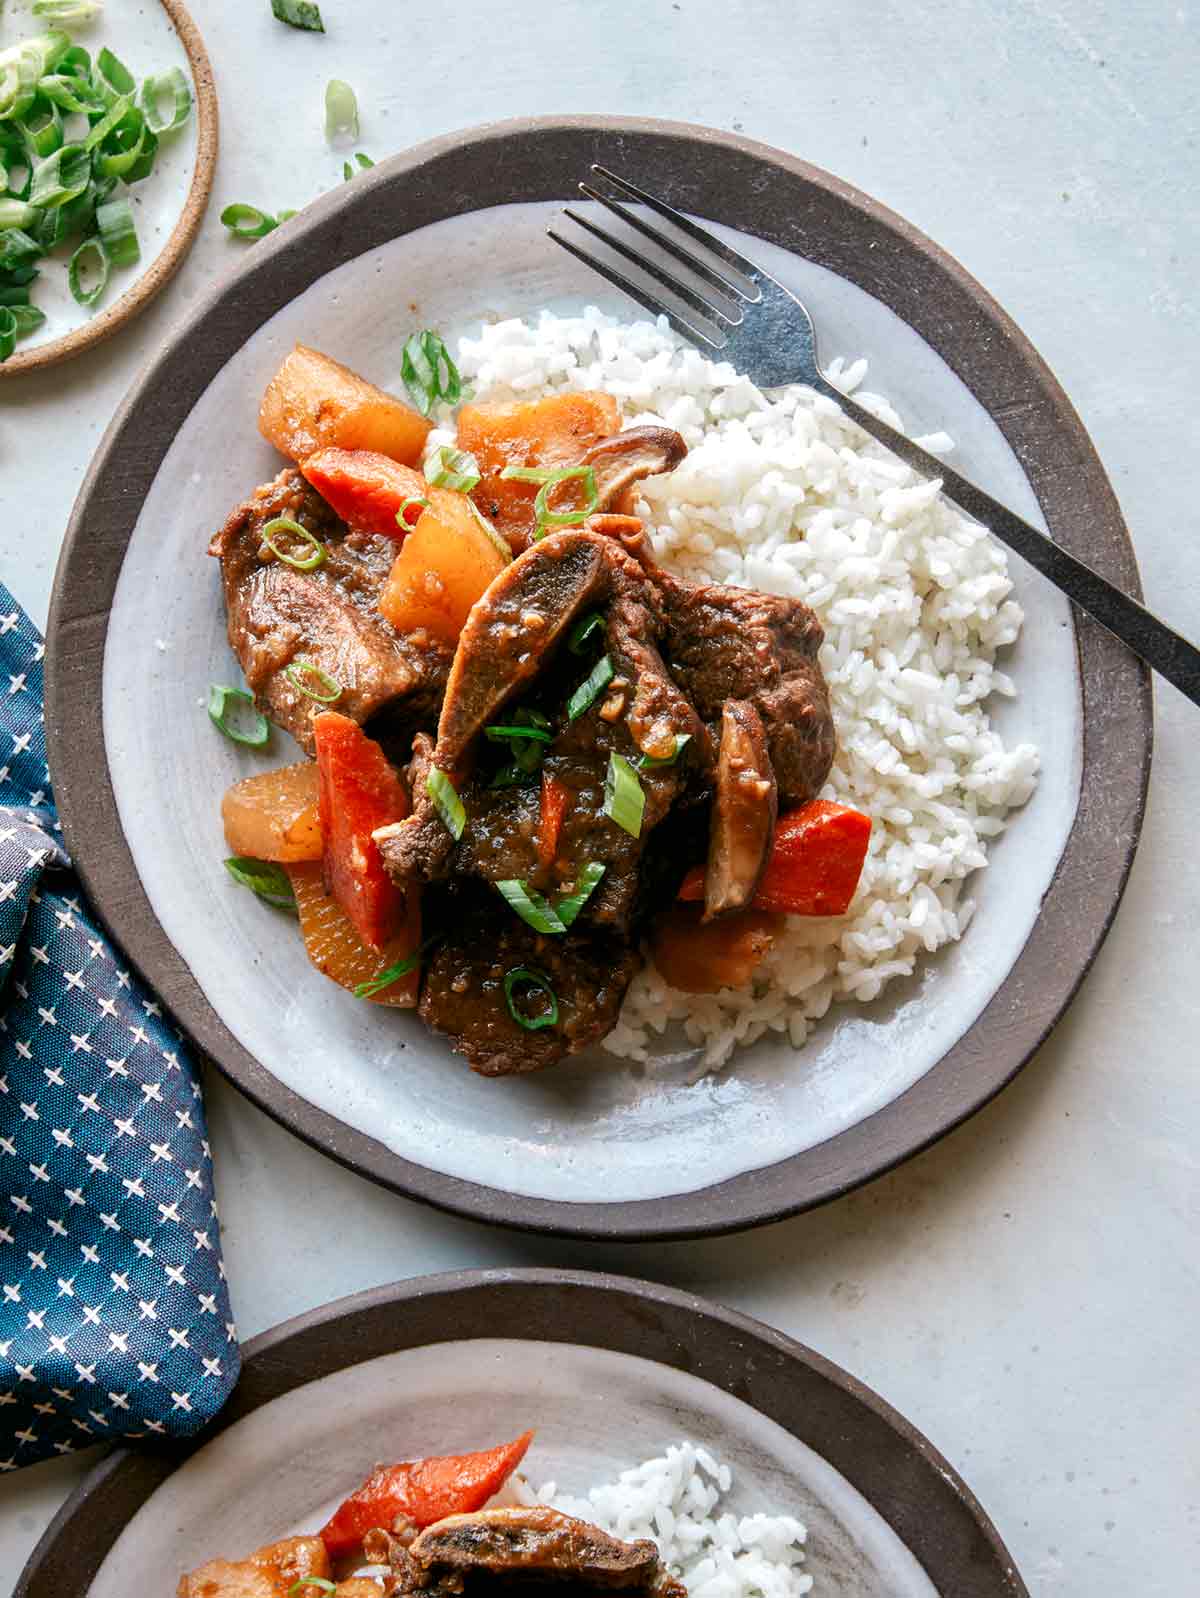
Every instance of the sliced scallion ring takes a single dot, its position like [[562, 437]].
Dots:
[[428, 372], [42, 126], [393, 973], [68, 13], [590, 689], [115, 220], [509, 776], [284, 524], [649, 763], [298, 14], [248, 222], [530, 906], [321, 1583], [499, 735], [446, 802], [624, 799], [264, 878], [341, 109], [90, 256], [8, 332], [155, 89], [452, 468], [70, 94], [118, 110], [111, 76], [539, 982], [328, 690], [584, 629], [402, 517], [585, 885], [16, 213], [60, 177], [550, 480], [128, 151], [256, 735]]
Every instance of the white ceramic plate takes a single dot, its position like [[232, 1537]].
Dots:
[[593, 1143]]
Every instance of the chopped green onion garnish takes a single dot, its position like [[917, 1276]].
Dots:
[[70, 93], [61, 177], [364, 162], [547, 518], [68, 12], [429, 373], [115, 221], [128, 151], [284, 524], [42, 126], [90, 256], [590, 689], [509, 776], [539, 982], [111, 76], [267, 880], [248, 222], [155, 89], [17, 213], [499, 735], [446, 802], [341, 109], [624, 800], [117, 111], [299, 14], [393, 973], [588, 880], [218, 709], [530, 906], [402, 516], [649, 763], [453, 468], [320, 1582], [328, 690], [17, 251], [583, 630]]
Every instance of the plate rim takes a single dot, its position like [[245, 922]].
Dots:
[[734, 1352], [889, 258], [181, 237]]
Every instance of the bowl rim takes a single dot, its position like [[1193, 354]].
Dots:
[[884, 1457], [181, 237], [774, 196]]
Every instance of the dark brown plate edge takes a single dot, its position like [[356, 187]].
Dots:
[[883, 1456], [815, 215]]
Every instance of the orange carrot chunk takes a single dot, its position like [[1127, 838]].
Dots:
[[422, 1491], [816, 861], [360, 791], [555, 796], [367, 489], [705, 956]]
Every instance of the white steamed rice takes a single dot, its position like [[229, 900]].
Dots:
[[676, 1500], [782, 493]]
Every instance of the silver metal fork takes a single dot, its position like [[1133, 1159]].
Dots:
[[765, 331]]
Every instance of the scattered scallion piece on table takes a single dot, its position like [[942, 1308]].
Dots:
[[590, 689], [364, 162], [281, 526], [624, 798], [298, 14], [428, 372], [453, 468], [530, 906], [314, 683], [341, 110], [219, 708], [538, 982], [446, 802], [264, 878], [248, 222]]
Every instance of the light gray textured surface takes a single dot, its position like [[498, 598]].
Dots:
[[1027, 1292]]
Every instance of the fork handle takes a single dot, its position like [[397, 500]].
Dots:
[[1172, 656]]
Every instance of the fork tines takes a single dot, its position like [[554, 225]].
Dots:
[[722, 310]]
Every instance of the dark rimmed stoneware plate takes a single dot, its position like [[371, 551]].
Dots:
[[609, 1371], [449, 233]]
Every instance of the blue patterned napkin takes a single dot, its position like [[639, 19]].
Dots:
[[114, 1312]]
